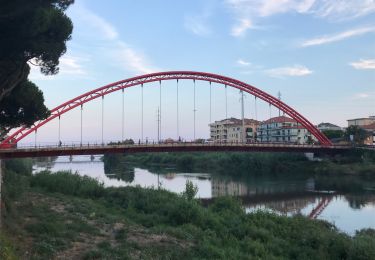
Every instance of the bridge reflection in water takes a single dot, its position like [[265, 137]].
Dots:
[[287, 199]]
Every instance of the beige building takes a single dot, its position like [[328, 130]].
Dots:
[[370, 140], [284, 130], [367, 124], [230, 130], [361, 121]]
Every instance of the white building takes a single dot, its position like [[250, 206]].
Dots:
[[328, 127], [283, 129], [230, 130]]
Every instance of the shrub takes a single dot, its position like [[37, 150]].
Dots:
[[67, 183], [190, 190]]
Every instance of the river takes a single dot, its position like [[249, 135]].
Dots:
[[348, 211]]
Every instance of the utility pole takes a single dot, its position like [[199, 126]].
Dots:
[[243, 117]]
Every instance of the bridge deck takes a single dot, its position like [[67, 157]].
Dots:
[[173, 147]]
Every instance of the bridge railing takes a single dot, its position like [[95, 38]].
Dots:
[[152, 143]]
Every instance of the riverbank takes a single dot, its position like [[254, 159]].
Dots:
[[356, 162], [66, 215]]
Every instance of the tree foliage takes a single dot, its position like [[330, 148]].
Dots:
[[359, 134], [32, 32], [333, 134], [23, 107]]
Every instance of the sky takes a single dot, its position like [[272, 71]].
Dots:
[[319, 54]]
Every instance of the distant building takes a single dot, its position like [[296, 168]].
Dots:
[[230, 130], [370, 140], [283, 129], [328, 126], [367, 124], [361, 121]]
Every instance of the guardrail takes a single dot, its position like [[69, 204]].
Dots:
[[65, 146]]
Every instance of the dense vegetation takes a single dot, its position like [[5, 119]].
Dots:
[[32, 33], [66, 215], [356, 162], [235, 164]]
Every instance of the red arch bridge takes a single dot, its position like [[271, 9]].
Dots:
[[8, 147]]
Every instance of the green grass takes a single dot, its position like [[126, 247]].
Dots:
[[6, 248], [223, 230], [50, 219]]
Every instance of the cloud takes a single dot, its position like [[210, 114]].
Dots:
[[71, 65], [101, 26], [68, 66], [197, 25], [243, 62], [128, 57], [133, 60], [248, 10], [240, 28], [252, 11], [343, 10], [363, 64], [362, 95], [337, 37], [294, 71]]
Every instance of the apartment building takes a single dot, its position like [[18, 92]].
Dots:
[[362, 121], [283, 129], [230, 130], [367, 124]]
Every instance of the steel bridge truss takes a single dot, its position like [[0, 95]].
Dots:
[[58, 111]]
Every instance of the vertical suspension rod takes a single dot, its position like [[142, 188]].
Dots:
[[210, 104], [59, 129], [159, 137], [242, 117], [81, 123], [158, 120], [142, 113], [178, 130], [194, 109], [270, 111], [102, 120], [256, 111], [123, 116], [226, 103], [35, 137]]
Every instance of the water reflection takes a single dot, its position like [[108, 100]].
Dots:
[[328, 198]]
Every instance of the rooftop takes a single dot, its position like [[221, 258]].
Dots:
[[236, 121], [327, 125], [362, 118], [279, 119]]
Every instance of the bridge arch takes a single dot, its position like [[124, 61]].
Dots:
[[162, 76]]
